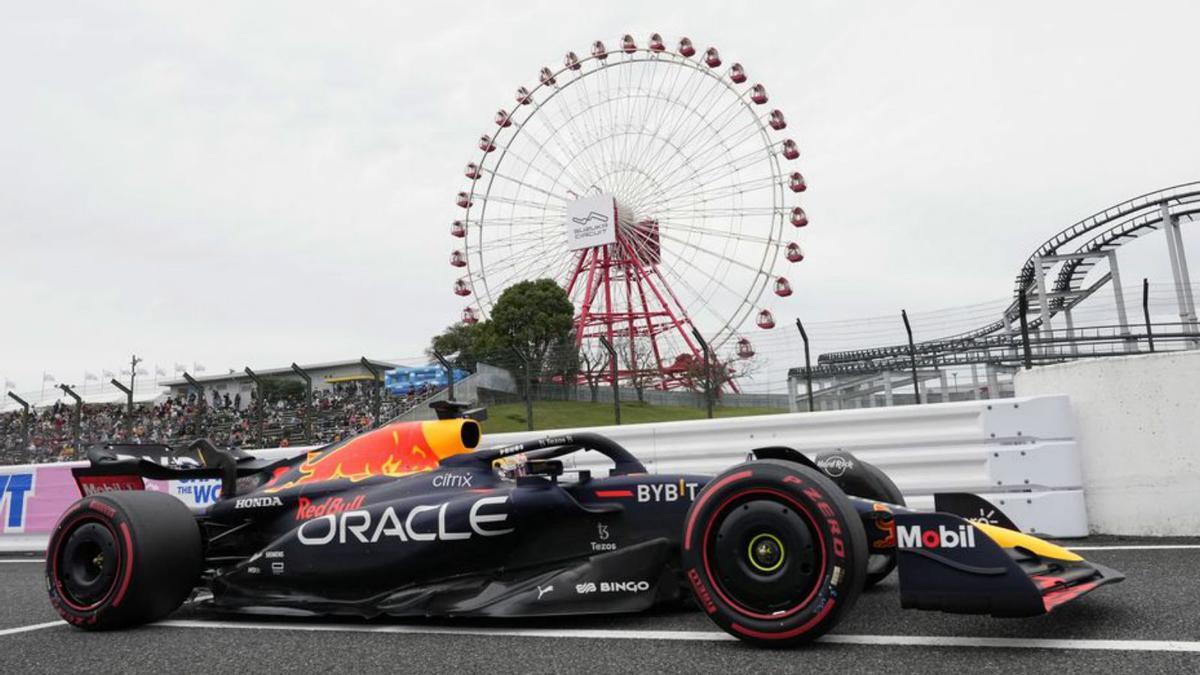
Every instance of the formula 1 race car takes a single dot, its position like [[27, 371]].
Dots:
[[410, 519]]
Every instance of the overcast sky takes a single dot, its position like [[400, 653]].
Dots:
[[261, 183]]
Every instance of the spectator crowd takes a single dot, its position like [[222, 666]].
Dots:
[[336, 413]]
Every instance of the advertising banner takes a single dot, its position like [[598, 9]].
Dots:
[[32, 497], [591, 221]]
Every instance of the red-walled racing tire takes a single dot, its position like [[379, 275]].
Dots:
[[774, 552], [122, 559]]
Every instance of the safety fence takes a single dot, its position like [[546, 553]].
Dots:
[[1019, 454]]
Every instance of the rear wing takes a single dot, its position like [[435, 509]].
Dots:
[[126, 466]]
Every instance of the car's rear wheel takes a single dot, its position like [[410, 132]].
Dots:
[[122, 559], [774, 552]]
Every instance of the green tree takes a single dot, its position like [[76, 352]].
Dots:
[[530, 318], [529, 332], [470, 344]]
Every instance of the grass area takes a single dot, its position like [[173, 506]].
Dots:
[[565, 414]]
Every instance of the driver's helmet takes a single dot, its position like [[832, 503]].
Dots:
[[512, 467]]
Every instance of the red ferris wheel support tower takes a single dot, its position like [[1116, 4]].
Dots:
[[625, 298]]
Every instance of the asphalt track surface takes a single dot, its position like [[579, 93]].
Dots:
[[1149, 623]]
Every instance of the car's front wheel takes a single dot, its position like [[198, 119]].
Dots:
[[774, 552], [122, 559]]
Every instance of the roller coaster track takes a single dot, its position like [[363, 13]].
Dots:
[[1103, 231]]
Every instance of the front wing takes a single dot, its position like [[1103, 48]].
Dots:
[[951, 564]]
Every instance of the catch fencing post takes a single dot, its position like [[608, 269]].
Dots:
[[202, 403], [133, 364], [709, 376], [77, 423], [449, 374], [612, 362], [258, 402], [1146, 311], [25, 408], [129, 411], [807, 365], [912, 356], [377, 403], [307, 401]]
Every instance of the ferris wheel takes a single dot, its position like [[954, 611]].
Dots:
[[654, 184]]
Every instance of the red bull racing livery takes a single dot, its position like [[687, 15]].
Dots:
[[413, 520]]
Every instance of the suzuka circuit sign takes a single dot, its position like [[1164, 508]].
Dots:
[[591, 221]]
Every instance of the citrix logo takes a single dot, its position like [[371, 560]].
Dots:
[[456, 480], [912, 536]]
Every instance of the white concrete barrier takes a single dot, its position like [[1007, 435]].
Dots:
[[1139, 429], [1018, 451]]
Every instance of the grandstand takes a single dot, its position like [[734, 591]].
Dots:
[[346, 398]]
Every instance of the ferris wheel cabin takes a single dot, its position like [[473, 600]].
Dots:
[[793, 252]]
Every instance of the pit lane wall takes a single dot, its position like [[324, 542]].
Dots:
[[1020, 454], [1139, 423]]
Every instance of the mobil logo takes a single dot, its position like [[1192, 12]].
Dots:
[[915, 536], [15, 491], [96, 485]]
